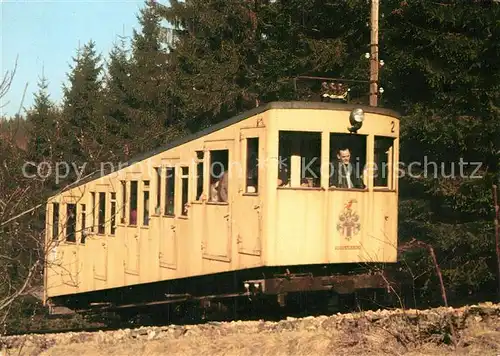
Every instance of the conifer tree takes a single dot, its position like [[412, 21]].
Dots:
[[232, 55], [41, 120], [149, 105], [118, 101], [82, 108], [213, 59], [442, 73]]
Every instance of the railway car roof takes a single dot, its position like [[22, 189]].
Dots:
[[235, 119]]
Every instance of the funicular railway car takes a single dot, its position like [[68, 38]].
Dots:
[[257, 205]]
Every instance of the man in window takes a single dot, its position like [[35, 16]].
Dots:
[[344, 175]]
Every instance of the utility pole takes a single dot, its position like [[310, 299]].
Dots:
[[374, 53], [497, 233]]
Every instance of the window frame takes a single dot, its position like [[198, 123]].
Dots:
[[172, 171], [102, 231], [129, 222], [210, 151], [366, 178], [66, 234], [390, 156], [83, 222], [199, 162], [146, 208], [92, 214], [56, 207], [123, 211], [247, 162], [113, 212], [291, 175], [184, 178], [159, 190]]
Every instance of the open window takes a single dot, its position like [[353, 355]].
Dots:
[[124, 202], [113, 213], [55, 221], [251, 167], [219, 176], [347, 161], [169, 191], [83, 232], [384, 162], [200, 174], [94, 208], [158, 191], [145, 210], [133, 203], [185, 190], [102, 214], [71, 222], [299, 163]]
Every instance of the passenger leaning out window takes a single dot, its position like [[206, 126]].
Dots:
[[214, 195], [222, 188], [283, 176], [219, 188]]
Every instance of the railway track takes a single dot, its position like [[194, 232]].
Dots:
[[62, 331], [475, 332], [158, 317]]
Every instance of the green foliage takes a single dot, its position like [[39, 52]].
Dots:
[[442, 71], [231, 55], [82, 107], [435, 55], [42, 119], [118, 99], [150, 103]]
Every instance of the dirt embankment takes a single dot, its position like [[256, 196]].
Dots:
[[472, 330]]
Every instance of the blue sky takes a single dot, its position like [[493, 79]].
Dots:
[[45, 35]]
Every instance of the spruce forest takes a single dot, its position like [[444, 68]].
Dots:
[[194, 63]]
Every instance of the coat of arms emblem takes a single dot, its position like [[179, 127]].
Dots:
[[349, 221]]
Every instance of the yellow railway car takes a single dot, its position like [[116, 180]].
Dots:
[[289, 197]]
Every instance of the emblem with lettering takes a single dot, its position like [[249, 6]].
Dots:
[[349, 222]]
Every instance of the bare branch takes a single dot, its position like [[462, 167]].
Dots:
[[21, 214], [39, 205], [7, 258], [414, 242], [22, 102], [7, 82]]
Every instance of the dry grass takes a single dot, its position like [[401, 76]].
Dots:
[[478, 333], [478, 341]]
